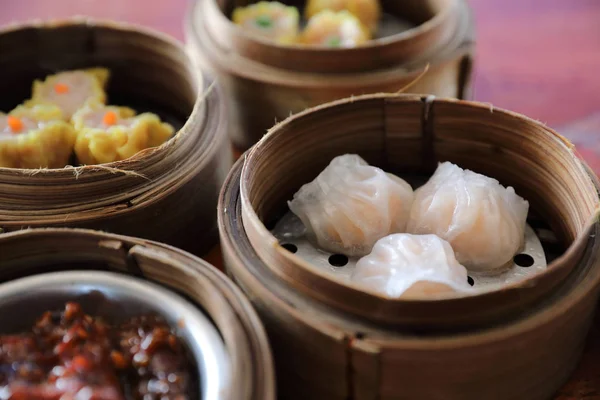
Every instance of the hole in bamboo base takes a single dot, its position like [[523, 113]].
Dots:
[[523, 260], [338, 260], [292, 248]]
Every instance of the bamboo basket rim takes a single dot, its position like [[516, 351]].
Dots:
[[408, 34], [124, 166], [470, 338], [248, 324], [257, 231], [238, 65]]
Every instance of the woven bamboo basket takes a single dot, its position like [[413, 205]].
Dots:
[[250, 370], [167, 193], [333, 341], [265, 82]]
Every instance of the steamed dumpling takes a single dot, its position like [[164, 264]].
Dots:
[[334, 29], [35, 137], [367, 11], [71, 90], [351, 205], [483, 221], [411, 266], [272, 20], [108, 133]]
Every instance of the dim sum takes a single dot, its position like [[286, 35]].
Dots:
[[35, 137], [411, 266], [334, 29], [106, 133], [368, 12], [350, 205], [483, 221], [71, 90], [271, 20]]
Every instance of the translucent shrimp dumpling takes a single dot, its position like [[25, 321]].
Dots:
[[483, 221], [334, 29], [411, 267], [351, 205], [272, 20]]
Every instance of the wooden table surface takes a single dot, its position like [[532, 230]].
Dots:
[[537, 57]]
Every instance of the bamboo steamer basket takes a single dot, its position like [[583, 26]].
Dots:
[[266, 82], [331, 341], [250, 369], [166, 194]]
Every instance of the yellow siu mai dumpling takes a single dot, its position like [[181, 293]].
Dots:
[[483, 221], [351, 204], [334, 29], [71, 90], [272, 20], [411, 267], [106, 133], [367, 11], [35, 137]]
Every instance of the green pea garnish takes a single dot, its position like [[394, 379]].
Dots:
[[334, 41], [264, 21]]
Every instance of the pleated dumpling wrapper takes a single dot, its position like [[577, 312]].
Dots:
[[368, 12], [334, 29], [483, 221], [106, 133], [350, 205], [35, 137], [269, 19], [411, 267], [71, 90]]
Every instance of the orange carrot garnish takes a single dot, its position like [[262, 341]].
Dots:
[[61, 88], [15, 124], [110, 118], [80, 363]]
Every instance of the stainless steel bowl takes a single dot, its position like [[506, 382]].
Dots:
[[117, 297]]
